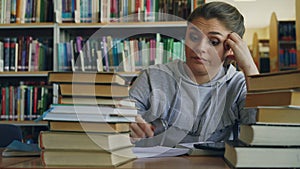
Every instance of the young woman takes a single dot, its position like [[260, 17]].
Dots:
[[202, 98]]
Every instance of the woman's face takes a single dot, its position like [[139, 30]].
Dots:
[[205, 49]]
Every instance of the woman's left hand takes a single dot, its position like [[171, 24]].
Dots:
[[242, 54]]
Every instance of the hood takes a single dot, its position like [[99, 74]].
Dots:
[[217, 88]]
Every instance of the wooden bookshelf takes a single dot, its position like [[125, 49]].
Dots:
[[56, 33], [260, 53], [283, 45], [255, 49], [297, 10]]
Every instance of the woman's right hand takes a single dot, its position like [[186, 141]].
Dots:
[[140, 129]]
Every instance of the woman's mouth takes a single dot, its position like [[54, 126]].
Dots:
[[199, 59]]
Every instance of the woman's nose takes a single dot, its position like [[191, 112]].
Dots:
[[202, 46]]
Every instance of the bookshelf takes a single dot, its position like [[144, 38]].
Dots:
[[44, 25], [283, 54], [119, 33], [24, 95], [12, 82], [297, 5], [260, 53], [48, 30]]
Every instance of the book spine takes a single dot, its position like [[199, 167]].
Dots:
[[8, 8], [35, 100], [13, 14], [3, 105], [7, 106], [41, 142], [1, 57], [34, 11], [6, 53], [11, 102], [13, 53], [105, 54]]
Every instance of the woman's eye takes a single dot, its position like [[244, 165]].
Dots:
[[194, 37], [214, 42]]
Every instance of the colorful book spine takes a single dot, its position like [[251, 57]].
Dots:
[[6, 42], [105, 53], [13, 52], [13, 14]]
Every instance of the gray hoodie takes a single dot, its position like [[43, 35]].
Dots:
[[183, 111]]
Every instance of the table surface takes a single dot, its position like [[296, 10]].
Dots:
[[181, 162]]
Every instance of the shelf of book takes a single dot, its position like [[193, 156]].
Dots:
[[60, 26], [297, 5], [123, 46], [283, 53], [36, 33]]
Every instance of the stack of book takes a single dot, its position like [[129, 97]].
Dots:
[[274, 140], [107, 88], [92, 130]]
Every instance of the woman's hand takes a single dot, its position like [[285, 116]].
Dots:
[[242, 54], [140, 129]]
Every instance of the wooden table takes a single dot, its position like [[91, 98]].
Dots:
[[182, 162]]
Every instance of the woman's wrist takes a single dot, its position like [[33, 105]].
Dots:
[[250, 69]]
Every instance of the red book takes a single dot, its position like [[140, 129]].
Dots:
[[3, 104], [35, 102]]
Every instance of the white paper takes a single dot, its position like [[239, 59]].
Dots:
[[158, 151]]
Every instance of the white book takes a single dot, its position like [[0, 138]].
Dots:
[[3, 11], [1, 57], [30, 57], [92, 109], [8, 7], [87, 117], [99, 61], [16, 57]]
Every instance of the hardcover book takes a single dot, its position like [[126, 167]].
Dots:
[[116, 102], [92, 109], [270, 134], [239, 155], [278, 114], [88, 126], [79, 141], [87, 158], [108, 90], [87, 117], [273, 98], [86, 77], [274, 81]]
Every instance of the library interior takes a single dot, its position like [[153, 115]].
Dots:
[[67, 68]]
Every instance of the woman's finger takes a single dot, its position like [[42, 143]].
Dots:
[[145, 127], [136, 131]]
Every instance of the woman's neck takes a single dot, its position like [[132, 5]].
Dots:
[[200, 77]]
